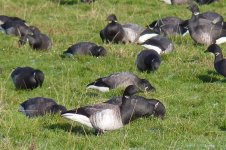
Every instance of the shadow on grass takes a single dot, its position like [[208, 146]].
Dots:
[[210, 77], [66, 2], [79, 130]]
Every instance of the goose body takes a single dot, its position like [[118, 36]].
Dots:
[[27, 78], [106, 116], [15, 27], [169, 26], [36, 40], [206, 28], [159, 43], [39, 106], [131, 32], [113, 32], [122, 79], [148, 60], [219, 61], [86, 48]]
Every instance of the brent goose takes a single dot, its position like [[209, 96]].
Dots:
[[36, 40], [169, 26], [88, 1], [27, 78], [106, 116], [206, 28], [40, 106], [131, 32], [147, 34], [159, 43], [15, 27], [201, 2], [113, 32], [122, 79], [219, 61], [4, 19], [148, 60], [86, 48]]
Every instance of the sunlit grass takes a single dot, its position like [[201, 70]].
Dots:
[[186, 82]]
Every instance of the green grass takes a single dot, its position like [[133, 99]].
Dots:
[[195, 99]]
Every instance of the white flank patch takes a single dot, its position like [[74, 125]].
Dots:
[[78, 118], [102, 89], [185, 33], [167, 1], [145, 37], [221, 40], [157, 49], [21, 109], [1, 22], [107, 119]]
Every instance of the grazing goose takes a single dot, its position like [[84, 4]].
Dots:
[[200, 2], [148, 60], [159, 43], [36, 40], [122, 79], [106, 116], [27, 78], [169, 26], [113, 32], [4, 19], [219, 62], [205, 28], [15, 27], [39, 106], [88, 1], [86, 48], [131, 32]]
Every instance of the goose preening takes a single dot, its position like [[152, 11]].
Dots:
[[106, 116], [219, 61], [86, 48], [39, 106], [206, 28], [121, 79], [27, 78]]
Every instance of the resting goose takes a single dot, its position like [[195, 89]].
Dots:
[[27, 78], [169, 26], [121, 79], [39, 106]]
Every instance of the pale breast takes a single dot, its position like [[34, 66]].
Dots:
[[107, 119]]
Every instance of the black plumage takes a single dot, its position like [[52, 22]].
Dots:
[[219, 61], [148, 60], [27, 78], [86, 48], [39, 106]]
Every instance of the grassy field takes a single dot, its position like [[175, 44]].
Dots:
[[186, 82]]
